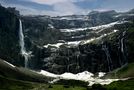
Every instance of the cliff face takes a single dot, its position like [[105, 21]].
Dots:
[[95, 57], [103, 54], [9, 39]]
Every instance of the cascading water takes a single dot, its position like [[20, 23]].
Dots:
[[68, 66], [123, 47], [110, 67], [122, 42], [23, 51], [77, 58]]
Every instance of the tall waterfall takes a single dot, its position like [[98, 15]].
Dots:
[[23, 51], [122, 42]]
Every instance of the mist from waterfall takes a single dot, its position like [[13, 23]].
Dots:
[[23, 51]]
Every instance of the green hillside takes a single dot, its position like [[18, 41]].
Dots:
[[126, 71]]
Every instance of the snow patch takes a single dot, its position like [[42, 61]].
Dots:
[[57, 45], [9, 64], [74, 43], [51, 26], [101, 74], [83, 76], [48, 74]]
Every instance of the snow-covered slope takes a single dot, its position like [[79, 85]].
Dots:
[[81, 42], [9, 64], [93, 28], [98, 32]]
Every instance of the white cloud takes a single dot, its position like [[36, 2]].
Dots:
[[60, 7], [48, 2], [67, 8], [51, 2], [24, 10]]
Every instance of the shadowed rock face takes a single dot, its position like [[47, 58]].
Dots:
[[9, 38], [91, 57], [104, 55]]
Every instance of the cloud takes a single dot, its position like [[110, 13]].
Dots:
[[30, 11], [52, 2], [62, 7], [66, 7], [58, 7], [48, 2]]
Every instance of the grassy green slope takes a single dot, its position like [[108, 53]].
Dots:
[[21, 73], [11, 84], [123, 72], [15, 78], [121, 85]]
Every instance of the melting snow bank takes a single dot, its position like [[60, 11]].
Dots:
[[83, 76]]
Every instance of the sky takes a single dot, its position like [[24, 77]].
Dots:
[[66, 7]]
